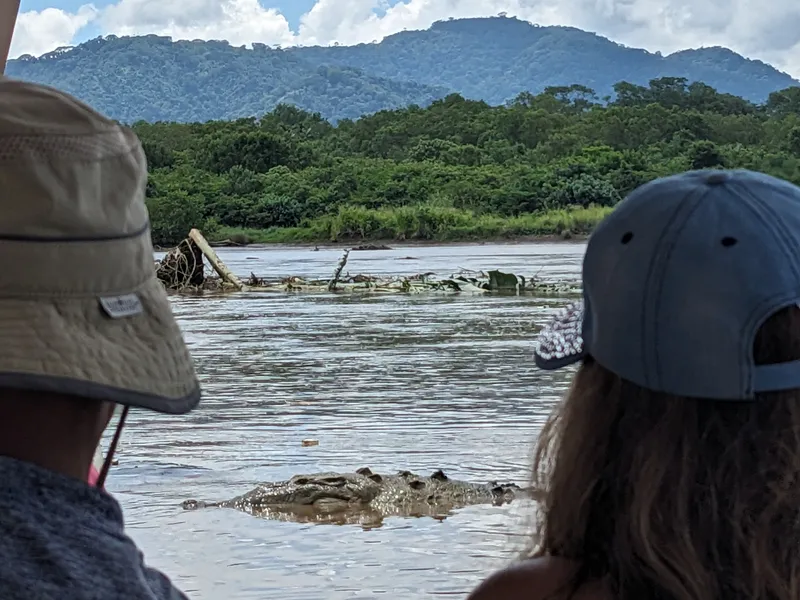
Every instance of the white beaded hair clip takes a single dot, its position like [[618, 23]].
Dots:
[[563, 338]]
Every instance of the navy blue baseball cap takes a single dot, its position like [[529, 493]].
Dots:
[[677, 281]]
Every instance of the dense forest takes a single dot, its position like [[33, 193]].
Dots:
[[546, 164], [494, 59], [152, 78]]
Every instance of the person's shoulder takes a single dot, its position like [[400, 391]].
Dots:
[[546, 578], [162, 587]]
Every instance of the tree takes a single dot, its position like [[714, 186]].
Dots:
[[543, 163], [705, 155]]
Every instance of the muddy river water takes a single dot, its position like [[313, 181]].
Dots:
[[390, 382]]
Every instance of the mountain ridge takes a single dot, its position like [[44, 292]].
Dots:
[[588, 56], [493, 59]]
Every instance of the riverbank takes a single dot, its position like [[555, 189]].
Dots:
[[415, 227]]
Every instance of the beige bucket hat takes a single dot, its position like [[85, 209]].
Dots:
[[81, 310]]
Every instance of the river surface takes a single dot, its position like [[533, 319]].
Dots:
[[390, 382]]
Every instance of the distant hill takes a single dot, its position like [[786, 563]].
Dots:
[[494, 59], [152, 78]]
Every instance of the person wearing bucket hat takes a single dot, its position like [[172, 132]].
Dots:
[[671, 467], [85, 327]]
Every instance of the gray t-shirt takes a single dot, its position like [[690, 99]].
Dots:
[[61, 539]]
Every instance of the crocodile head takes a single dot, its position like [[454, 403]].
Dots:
[[317, 489]]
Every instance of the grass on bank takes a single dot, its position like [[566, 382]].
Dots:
[[421, 223]]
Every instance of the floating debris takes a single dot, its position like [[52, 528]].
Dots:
[[226, 244], [182, 267], [183, 270], [310, 442], [365, 247], [338, 272]]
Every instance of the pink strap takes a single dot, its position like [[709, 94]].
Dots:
[[93, 475]]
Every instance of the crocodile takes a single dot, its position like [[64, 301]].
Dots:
[[365, 497]]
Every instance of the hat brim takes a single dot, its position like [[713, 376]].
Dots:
[[70, 346], [560, 343]]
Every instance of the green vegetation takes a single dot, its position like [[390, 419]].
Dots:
[[547, 164], [495, 59], [152, 78]]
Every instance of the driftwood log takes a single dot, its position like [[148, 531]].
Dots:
[[223, 271], [337, 274]]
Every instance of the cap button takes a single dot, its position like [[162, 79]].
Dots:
[[717, 178]]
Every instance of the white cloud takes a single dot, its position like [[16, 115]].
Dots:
[[765, 29], [38, 32], [238, 21], [355, 21]]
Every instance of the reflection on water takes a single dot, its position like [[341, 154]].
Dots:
[[393, 383]]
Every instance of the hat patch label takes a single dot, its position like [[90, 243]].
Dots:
[[120, 307]]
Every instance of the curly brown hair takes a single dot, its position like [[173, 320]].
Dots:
[[675, 498]]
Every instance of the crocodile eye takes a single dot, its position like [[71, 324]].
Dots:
[[416, 484], [301, 481], [335, 481], [375, 477]]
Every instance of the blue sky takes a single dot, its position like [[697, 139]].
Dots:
[[769, 30]]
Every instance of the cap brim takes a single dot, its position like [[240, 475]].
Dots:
[[561, 342], [69, 346]]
